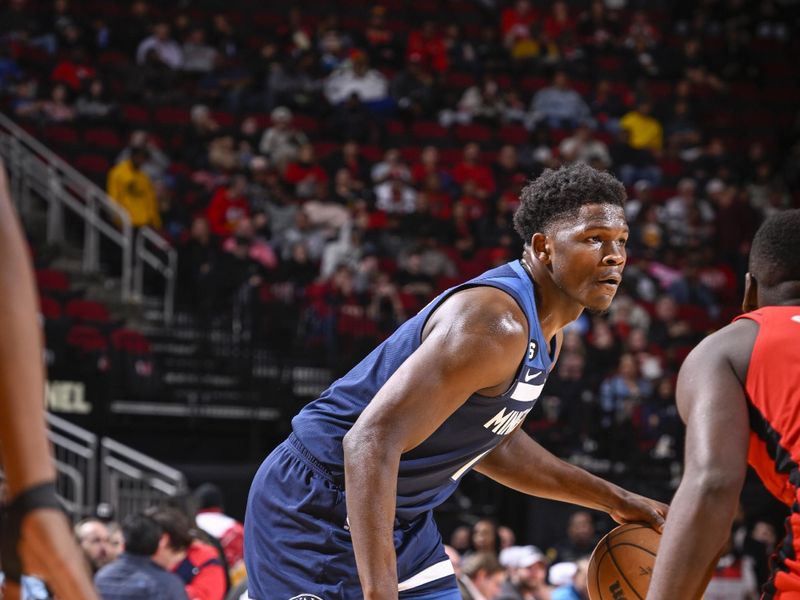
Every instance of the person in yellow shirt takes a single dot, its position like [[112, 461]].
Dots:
[[131, 188], [645, 132]]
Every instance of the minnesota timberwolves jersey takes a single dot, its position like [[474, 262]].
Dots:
[[430, 472]]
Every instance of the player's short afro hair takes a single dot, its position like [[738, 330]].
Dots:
[[559, 194], [775, 253]]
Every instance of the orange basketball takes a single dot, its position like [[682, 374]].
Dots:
[[622, 563]]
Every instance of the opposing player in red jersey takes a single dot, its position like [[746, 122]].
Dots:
[[739, 394]]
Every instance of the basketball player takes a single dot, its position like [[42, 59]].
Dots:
[[739, 394], [349, 495], [35, 537]]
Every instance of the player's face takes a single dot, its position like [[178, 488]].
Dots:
[[587, 254]]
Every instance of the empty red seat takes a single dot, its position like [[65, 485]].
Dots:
[[92, 164], [429, 131], [52, 280], [473, 133], [130, 341], [513, 134], [60, 134], [135, 114], [49, 308], [103, 138], [87, 311], [86, 338], [171, 115]]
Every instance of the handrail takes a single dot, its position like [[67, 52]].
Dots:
[[167, 266], [35, 168], [135, 456]]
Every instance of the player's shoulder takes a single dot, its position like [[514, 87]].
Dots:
[[732, 344], [484, 316]]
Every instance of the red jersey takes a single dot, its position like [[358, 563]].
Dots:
[[773, 396]]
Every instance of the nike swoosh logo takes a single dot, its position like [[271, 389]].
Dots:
[[796, 318], [529, 375]]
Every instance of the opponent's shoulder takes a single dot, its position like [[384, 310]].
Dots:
[[733, 344]]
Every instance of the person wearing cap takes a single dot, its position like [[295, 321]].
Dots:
[[281, 142], [577, 588], [527, 574]]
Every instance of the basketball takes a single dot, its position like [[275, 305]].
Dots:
[[621, 564]]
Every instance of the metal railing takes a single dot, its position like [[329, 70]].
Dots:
[[154, 251], [129, 480], [75, 456], [38, 174]]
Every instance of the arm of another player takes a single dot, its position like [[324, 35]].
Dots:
[[474, 342], [47, 547], [524, 465], [711, 401]]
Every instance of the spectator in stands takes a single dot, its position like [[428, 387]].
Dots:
[[303, 231], [196, 563], [679, 210], [414, 90], [395, 196], [292, 82], [95, 103], [516, 21], [643, 128], [482, 576], [212, 519], [305, 174], [74, 71], [198, 55], [428, 44], [131, 188], [92, 537], [599, 27], [507, 169], [583, 146], [136, 574], [157, 162], [350, 158], [484, 537], [581, 538], [558, 105], [471, 169], [526, 577], [356, 78], [281, 142], [116, 541], [58, 107], [167, 50], [577, 589], [381, 44], [734, 577], [228, 206], [391, 167]]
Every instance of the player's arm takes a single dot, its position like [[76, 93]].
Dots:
[[711, 401], [522, 464], [46, 548], [474, 342]]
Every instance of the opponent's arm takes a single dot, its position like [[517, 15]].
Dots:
[[522, 464], [711, 401], [46, 546], [475, 341]]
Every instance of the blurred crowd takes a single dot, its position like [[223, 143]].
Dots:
[[325, 172]]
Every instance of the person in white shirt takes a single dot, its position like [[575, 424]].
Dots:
[[167, 50]]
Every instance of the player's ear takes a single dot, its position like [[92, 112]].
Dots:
[[750, 301], [540, 248]]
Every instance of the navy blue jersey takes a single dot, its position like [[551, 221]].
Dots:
[[430, 472]]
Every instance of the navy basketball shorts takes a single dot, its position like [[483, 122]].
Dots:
[[297, 544]]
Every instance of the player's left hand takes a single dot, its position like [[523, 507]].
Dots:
[[634, 508]]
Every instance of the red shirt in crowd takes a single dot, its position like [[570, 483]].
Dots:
[[203, 573], [225, 211]]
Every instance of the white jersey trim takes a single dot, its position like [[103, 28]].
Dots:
[[432, 573]]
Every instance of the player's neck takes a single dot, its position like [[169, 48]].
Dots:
[[556, 310]]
